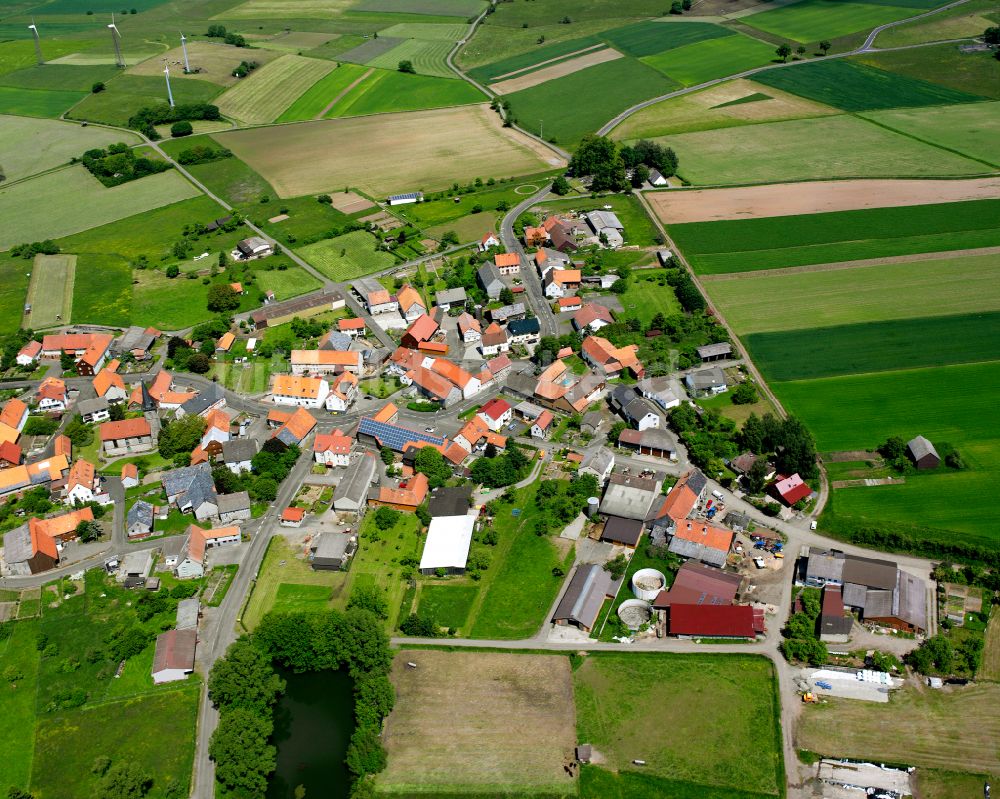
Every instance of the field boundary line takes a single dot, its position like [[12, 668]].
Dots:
[[860, 264], [567, 56], [925, 141], [322, 114]]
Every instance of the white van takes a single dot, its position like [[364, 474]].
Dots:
[[718, 495]]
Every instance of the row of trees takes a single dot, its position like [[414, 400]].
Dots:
[[145, 119]]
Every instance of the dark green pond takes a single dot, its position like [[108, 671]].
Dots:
[[313, 723]]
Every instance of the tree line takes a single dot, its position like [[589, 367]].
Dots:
[[609, 163]]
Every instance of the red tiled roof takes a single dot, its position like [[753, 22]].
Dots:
[[507, 259], [126, 428], [332, 442], [734, 621], [12, 413], [130, 470], [10, 453], [350, 324], [293, 514], [423, 328], [499, 363], [495, 408], [792, 489], [591, 312]]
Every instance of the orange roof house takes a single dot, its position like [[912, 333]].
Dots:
[[60, 528], [404, 499], [10, 454], [507, 262], [225, 342], [299, 425], [345, 325], [408, 298], [297, 386], [388, 413], [535, 236], [422, 328], [609, 359], [107, 379], [14, 414], [126, 428]]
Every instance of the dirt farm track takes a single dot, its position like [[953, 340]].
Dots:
[[785, 199]]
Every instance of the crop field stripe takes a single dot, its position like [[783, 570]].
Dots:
[[910, 135], [312, 103], [811, 20], [394, 91], [764, 302], [268, 92], [556, 60], [876, 346], [354, 93], [427, 57], [533, 59], [649, 38], [715, 58], [856, 87]]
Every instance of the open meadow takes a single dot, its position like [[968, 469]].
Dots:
[[126, 94], [786, 151], [30, 146], [384, 91], [47, 206], [349, 256], [18, 651], [264, 94], [44, 103], [730, 104], [812, 20], [704, 61], [731, 740], [954, 729], [748, 245], [210, 61], [323, 93], [402, 152], [107, 301], [480, 724], [50, 292], [967, 20], [944, 64]]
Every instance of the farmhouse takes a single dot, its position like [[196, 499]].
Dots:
[[29, 353], [715, 352], [922, 453], [609, 360], [581, 604], [469, 328], [433, 386], [715, 621], [274, 314], [47, 535], [447, 546], [252, 248], [139, 521], [238, 453], [51, 395], [600, 463], [701, 541], [535, 236], [110, 386], [93, 410], [451, 297], [303, 392], [234, 508], [634, 409], [569, 304], [656, 178], [27, 551], [653, 441], [173, 656], [332, 449], [489, 279], [685, 496], [15, 480], [125, 437], [295, 428], [343, 392], [217, 426], [790, 489], [410, 494], [507, 263], [698, 584], [10, 455], [420, 331], [410, 303], [488, 241], [592, 317], [351, 494], [351, 327], [137, 342], [475, 431], [499, 367], [192, 490], [494, 340], [524, 331], [14, 415], [191, 561], [325, 362], [547, 259], [542, 425], [607, 224], [559, 281], [496, 414], [82, 483], [707, 382], [455, 374]]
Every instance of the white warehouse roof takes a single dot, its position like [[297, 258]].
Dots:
[[448, 542]]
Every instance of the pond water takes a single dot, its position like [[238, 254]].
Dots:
[[313, 723]]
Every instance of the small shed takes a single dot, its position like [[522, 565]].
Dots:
[[922, 453]]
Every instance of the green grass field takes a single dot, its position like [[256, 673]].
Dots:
[[287, 283], [107, 301], [731, 737], [856, 87], [597, 783], [30, 146], [968, 19], [13, 290], [267, 92], [706, 60], [426, 55], [347, 256], [876, 346], [448, 605], [646, 297], [18, 55], [533, 59], [748, 245], [47, 206], [813, 20], [771, 303], [37, 102], [649, 38], [62, 77], [441, 31], [171, 304], [387, 91], [127, 94], [944, 64], [292, 598], [17, 722], [611, 87], [50, 292], [235, 181], [786, 151], [973, 130], [443, 8], [317, 97]]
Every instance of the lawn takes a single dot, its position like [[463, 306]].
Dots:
[[386, 91], [610, 88], [313, 102], [747, 245], [37, 102], [648, 296], [107, 301], [17, 722], [877, 346], [295, 578], [29, 146], [786, 151], [731, 739], [856, 87], [813, 20], [703, 61], [519, 588], [955, 730], [286, 283], [169, 304], [47, 206], [348, 256], [420, 150], [972, 130], [717, 107], [130, 729], [264, 94], [448, 605], [127, 94], [295, 598]]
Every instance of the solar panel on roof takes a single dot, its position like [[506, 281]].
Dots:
[[393, 436], [407, 196]]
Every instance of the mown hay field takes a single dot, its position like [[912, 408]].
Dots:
[[646, 38], [348, 256], [385, 91], [723, 106], [813, 20], [50, 292], [730, 705], [441, 8], [540, 56], [29, 146], [213, 61], [401, 152], [856, 87], [314, 101], [286, 9], [426, 55], [748, 245], [48, 206], [785, 151], [703, 61], [479, 723], [767, 302], [264, 94], [45, 103]]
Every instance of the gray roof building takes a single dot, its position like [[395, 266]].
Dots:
[[134, 339], [715, 352], [508, 312], [455, 296], [239, 450], [590, 422], [825, 567], [450, 501], [490, 280], [233, 503], [522, 384], [335, 340], [630, 497], [870, 572], [137, 564], [622, 531], [89, 407], [584, 597], [190, 486], [598, 462], [207, 398], [713, 379], [139, 517], [187, 613], [332, 550], [599, 220], [523, 327], [922, 453], [351, 494]]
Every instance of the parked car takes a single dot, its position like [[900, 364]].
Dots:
[[824, 685]]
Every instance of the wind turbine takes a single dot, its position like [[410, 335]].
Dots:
[[38, 45], [170, 94], [116, 40], [187, 66]]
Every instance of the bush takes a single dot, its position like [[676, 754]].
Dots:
[[182, 128], [386, 518], [97, 88]]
